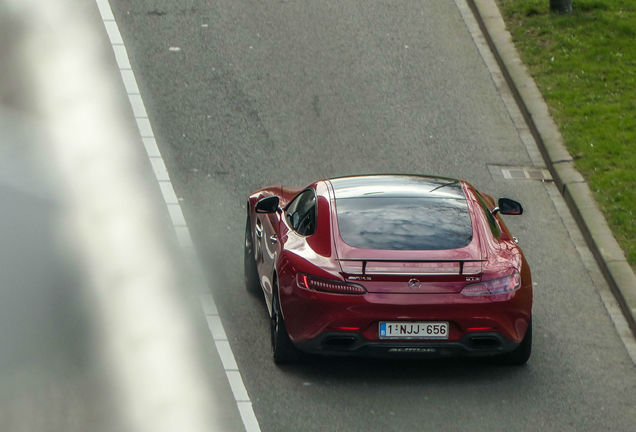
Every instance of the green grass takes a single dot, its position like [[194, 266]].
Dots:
[[585, 66]]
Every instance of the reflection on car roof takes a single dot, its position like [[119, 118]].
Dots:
[[402, 212], [397, 186]]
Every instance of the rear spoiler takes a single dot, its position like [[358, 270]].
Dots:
[[443, 264]]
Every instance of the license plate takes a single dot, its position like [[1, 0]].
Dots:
[[414, 330]]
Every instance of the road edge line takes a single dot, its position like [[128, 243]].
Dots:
[[208, 305]]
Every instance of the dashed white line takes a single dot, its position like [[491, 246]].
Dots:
[[208, 305]]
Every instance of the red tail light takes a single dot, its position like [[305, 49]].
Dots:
[[492, 287], [328, 285]]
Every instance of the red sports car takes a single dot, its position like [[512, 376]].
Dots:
[[389, 265]]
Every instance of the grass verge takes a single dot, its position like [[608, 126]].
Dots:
[[585, 66]]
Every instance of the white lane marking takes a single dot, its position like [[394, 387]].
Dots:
[[139, 110], [113, 33], [151, 147], [145, 129], [168, 192], [227, 357], [105, 11], [121, 55], [216, 327], [176, 215], [236, 382], [130, 83], [208, 305], [159, 168], [247, 414], [183, 237]]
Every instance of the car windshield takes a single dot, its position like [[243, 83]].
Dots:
[[429, 217]]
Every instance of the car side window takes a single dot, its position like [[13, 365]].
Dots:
[[494, 226], [301, 213]]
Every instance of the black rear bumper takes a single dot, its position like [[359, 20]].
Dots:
[[353, 344]]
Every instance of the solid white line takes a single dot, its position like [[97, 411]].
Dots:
[[145, 129], [113, 33], [159, 168], [247, 414], [176, 215], [183, 236], [236, 382], [130, 83], [216, 328], [168, 192], [208, 305], [139, 110], [151, 147], [227, 357], [121, 56], [105, 11]]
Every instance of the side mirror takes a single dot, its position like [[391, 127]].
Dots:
[[267, 205], [508, 206]]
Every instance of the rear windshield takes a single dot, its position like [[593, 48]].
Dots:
[[404, 223]]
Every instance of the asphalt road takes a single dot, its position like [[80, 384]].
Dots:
[[261, 92]]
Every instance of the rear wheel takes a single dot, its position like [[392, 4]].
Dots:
[[249, 264], [521, 354], [283, 348]]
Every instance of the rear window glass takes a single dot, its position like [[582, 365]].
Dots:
[[404, 223]]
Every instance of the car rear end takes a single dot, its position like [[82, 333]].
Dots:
[[417, 276]]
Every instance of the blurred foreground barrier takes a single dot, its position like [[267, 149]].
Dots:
[[101, 227]]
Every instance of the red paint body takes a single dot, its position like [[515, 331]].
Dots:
[[309, 314]]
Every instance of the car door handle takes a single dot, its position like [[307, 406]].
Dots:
[[259, 230], [273, 238]]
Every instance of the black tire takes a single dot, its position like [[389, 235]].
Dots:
[[283, 348], [249, 264], [521, 354]]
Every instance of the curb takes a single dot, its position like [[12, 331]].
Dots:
[[571, 184]]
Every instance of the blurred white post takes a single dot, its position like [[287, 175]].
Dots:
[[111, 216]]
